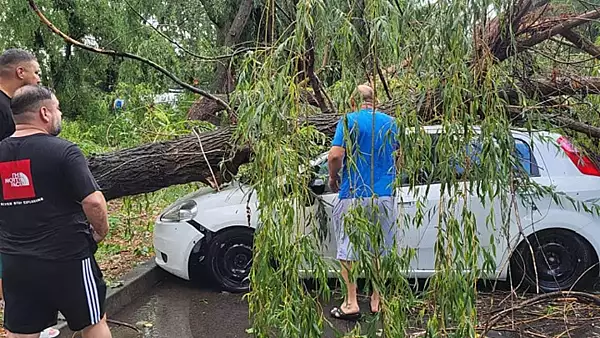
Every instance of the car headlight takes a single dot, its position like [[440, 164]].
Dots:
[[183, 211]]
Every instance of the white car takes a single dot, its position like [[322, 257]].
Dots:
[[209, 233]]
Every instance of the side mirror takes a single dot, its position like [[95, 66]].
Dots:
[[317, 186]]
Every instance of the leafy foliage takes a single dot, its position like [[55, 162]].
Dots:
[[431, 46], [79, 76]]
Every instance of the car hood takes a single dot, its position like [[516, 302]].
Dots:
[[231, 194]]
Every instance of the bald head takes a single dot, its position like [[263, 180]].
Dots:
[[366, 93], [37, 106]]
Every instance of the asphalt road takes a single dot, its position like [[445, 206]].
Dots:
[[177, 308]]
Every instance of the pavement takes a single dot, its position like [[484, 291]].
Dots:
[[176, 308], [153, 304]]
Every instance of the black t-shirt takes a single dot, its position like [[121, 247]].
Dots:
[[44, 180], [7, 124]]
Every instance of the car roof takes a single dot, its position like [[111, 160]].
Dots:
[[516, 131]]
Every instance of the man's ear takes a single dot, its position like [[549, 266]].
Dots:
[[45, 114], [20, 72]]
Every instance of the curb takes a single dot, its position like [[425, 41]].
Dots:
[[134, 284]]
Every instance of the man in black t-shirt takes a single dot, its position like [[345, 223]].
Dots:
[[17, 69], [52, 214]]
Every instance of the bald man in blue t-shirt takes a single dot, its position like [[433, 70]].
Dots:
[[363, 147]]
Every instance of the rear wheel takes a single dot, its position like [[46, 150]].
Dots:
[[561, 260], [229, 259]]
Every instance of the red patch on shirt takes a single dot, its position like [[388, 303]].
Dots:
[[17, 182]]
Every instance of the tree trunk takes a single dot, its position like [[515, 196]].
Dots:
[[154, 166], [224, 78]]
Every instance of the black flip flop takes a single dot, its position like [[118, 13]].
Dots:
[[337, 313]]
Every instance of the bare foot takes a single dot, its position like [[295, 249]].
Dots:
[[374, 304], [350, 308]]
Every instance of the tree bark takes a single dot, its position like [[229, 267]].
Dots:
[[582, 43], [154, 166], [224, 81]]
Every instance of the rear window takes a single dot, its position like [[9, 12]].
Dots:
[[526, 158]]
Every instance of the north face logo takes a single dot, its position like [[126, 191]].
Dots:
[[16, 178]]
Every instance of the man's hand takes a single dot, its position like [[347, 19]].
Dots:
[[334, 161], [97, 237], [334, 184]]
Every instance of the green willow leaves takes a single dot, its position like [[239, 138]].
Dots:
[[431, 46]]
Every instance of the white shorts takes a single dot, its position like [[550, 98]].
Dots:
[[383, 213]]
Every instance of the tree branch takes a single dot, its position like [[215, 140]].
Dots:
[[582, 43], [564, 26], [211, 11], [74, 42], [239, 22], [576, 126], [171, 40], [312, 77], [576, 85], [383, 80]]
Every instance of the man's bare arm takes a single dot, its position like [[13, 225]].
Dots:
[[96, 211], [334, 162]]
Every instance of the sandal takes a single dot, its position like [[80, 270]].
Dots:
[[337, 313]]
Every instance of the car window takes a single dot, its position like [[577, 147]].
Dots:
[[526, 158], [523, 154], [473, 151]]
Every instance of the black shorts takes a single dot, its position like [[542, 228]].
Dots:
[[35, 290]]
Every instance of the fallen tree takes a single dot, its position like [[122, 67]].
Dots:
[[214, 157], [207, 157]]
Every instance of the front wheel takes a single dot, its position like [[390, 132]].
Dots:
[[561, 260], [229, 259]]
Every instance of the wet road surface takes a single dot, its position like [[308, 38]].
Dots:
[[177, 308]]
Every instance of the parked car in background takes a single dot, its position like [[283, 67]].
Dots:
[[208, 233]]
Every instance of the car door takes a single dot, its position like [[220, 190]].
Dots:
[[434, 204], [444, 207], [492, 230], [497, 225], [418, 210], [417, 218], [321, 211]]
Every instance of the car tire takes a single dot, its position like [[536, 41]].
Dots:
[[229, 259], [563, 261]]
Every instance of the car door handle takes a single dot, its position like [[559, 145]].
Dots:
[[408, 204]]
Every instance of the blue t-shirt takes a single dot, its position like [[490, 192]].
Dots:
[[355, 133]]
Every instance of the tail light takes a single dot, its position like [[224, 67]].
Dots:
[[585, 165]]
